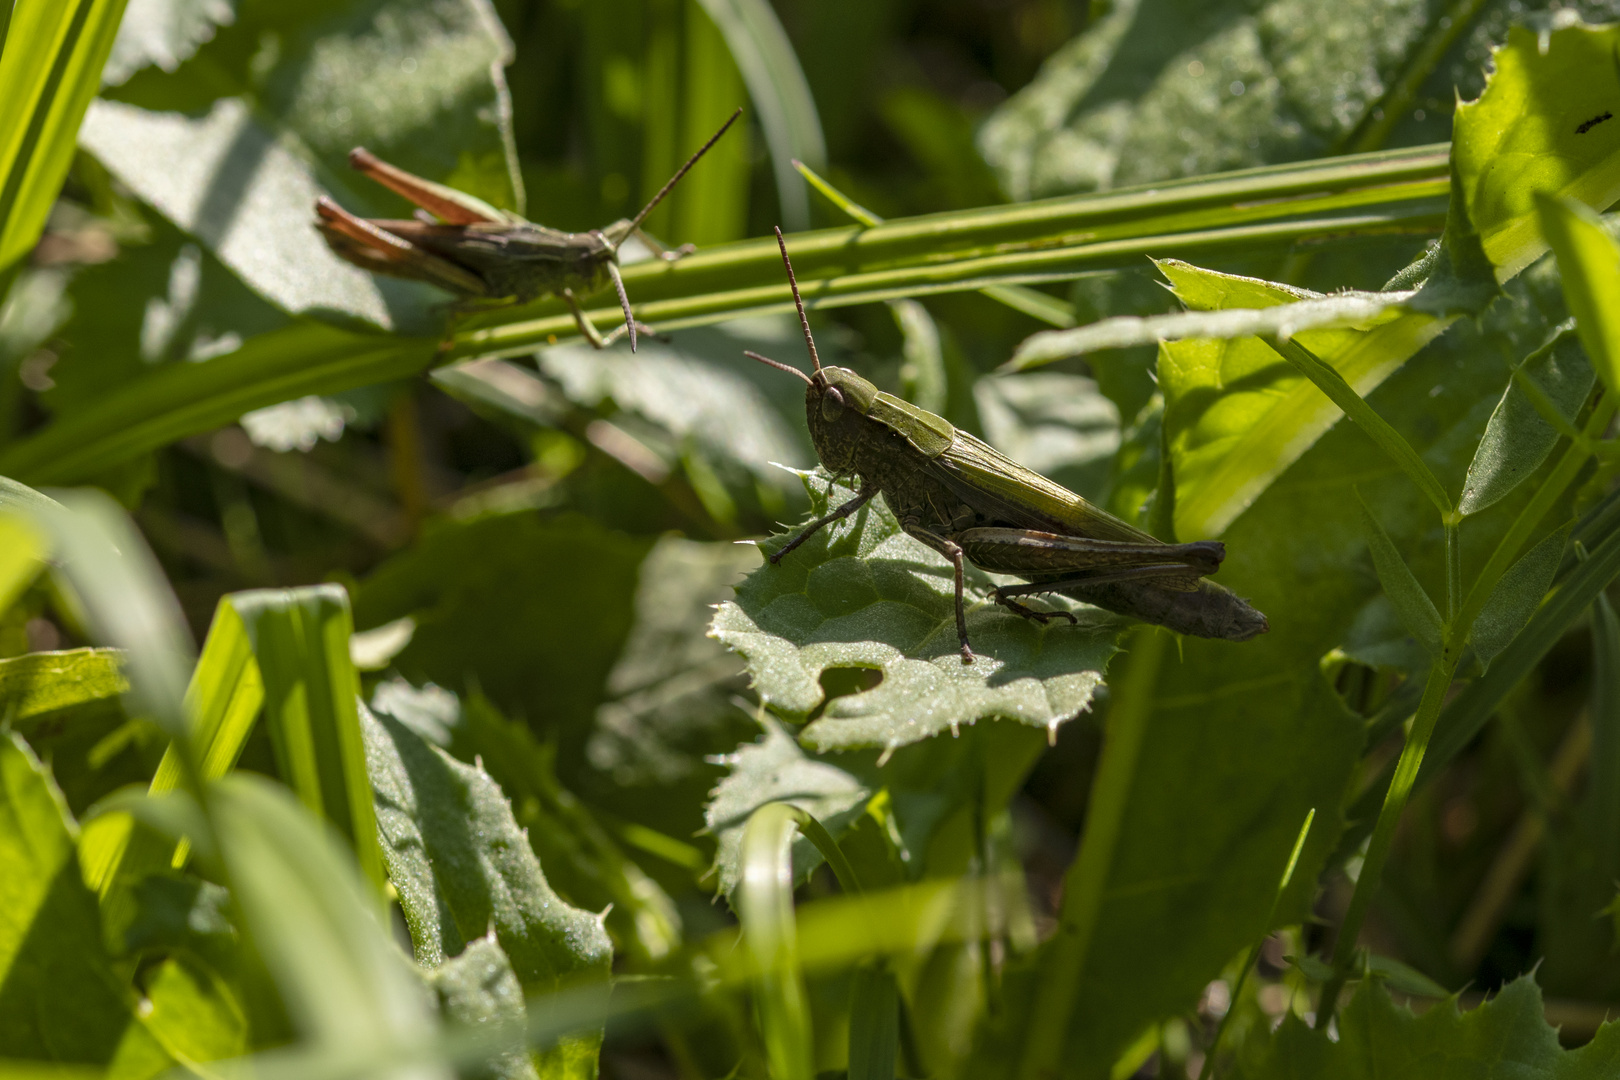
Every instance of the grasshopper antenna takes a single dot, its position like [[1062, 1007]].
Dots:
[[815, 357], [778, 365], [635, 222]]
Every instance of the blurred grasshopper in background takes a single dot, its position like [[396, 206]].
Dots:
[[463, 245], [968, 502]]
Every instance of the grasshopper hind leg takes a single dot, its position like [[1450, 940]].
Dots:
[[1042, 617]]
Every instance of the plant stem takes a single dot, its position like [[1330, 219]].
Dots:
[[1400, 788]]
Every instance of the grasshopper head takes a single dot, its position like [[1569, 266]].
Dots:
[[835, 406]]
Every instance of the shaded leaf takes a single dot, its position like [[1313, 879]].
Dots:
[[862, 594], [498, 603], [1519, 438], [478, 989], [1517, 596], [1507, 1034], [463, 867], [1411, 603], [777, 769]]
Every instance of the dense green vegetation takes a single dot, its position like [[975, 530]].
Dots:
[[383, 687]]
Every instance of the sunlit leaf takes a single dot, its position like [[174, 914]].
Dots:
[[1590, 261], [164, 33], [38, 684], [862, 594], [478, 988]]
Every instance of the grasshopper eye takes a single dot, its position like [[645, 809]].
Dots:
[[832, 403]]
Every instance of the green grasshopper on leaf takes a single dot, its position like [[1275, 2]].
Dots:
[[467, 247], [971, 504]]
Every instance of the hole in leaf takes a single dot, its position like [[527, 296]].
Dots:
[[843, 681]]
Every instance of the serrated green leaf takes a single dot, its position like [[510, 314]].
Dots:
[[1412, 604], [246, 162], [1519, 437], [478, 988], [862, 594], [777, 769], [39, 683], [462, 866], [1517, 596], [1376, 1037], [1590, 263]]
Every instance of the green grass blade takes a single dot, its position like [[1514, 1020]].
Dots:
[[765, 908], [715, 209], [49, 72], [300, 638]]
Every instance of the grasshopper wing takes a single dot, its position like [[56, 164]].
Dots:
[[994, 484]]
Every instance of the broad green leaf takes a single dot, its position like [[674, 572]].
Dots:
[[300, 639], [462, 866], [58, 996], [163, 32], [38, 684], [780, 94], [532, 611], [862, 594], [51, 68], [777, 769], [1157, 89], [1527, 136], [1517, 596], [1508, 1034], [1590, 263], [1412, 604], [671, 696], [193, 1013], [478, 989], [1237, 414], [417, 83], [175, 912], [1519, 436]]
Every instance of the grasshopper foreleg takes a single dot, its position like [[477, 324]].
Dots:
[[591, 333], [861, 498]]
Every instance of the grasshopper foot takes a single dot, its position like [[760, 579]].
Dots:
[[1042, 617], [967, 654]]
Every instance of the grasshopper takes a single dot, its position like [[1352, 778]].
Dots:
[[467, 247], [971, 504]]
